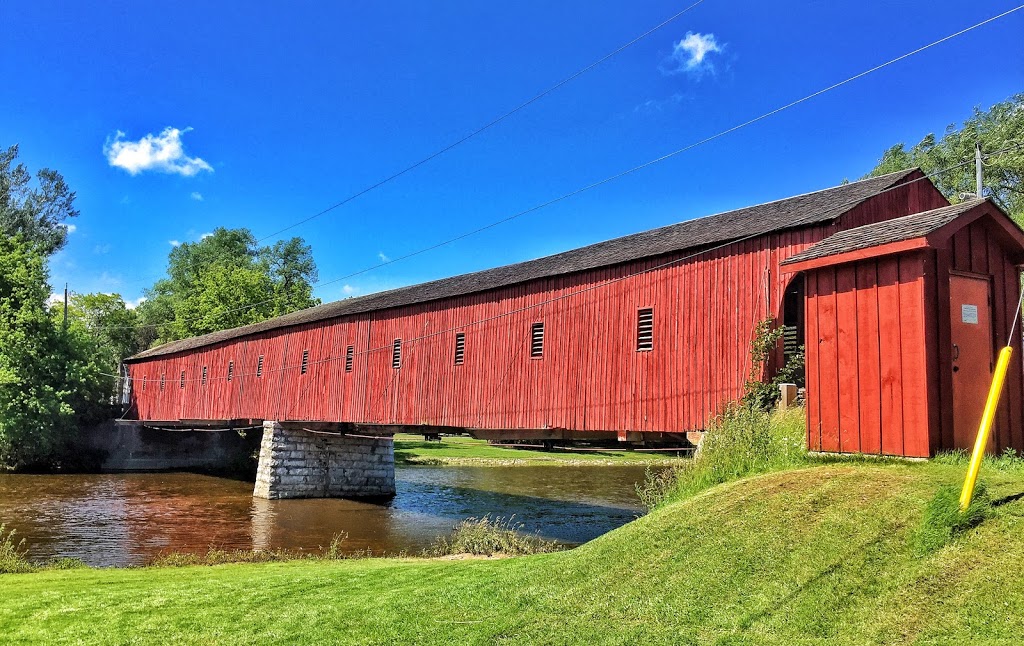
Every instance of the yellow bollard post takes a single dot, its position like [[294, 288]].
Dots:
[[985, 427]]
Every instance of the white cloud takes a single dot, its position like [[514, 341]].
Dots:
[[109, 280], [654, 106], [691, 54], [349, 290], [70, 228], [197, 196], [383, 258], [174, 243], [55, 298], [133, 304], [163, 153], [205, 236], [101, 248]]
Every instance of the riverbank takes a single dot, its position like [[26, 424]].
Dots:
[[819, 553], [460, 450]]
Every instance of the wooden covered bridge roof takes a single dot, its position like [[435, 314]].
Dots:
[[762, 219], [899, 234]]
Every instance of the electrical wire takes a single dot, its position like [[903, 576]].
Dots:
[[627, 172], [408, 341], [474, 232], [489, 124]]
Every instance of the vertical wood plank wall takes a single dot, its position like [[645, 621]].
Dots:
[[591, 376], [976, 249], [867, 348], [878, 339]]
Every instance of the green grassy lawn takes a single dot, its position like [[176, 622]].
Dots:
[[806, 555], [461, 450]]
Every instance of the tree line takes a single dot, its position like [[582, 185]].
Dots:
[[57, 377]]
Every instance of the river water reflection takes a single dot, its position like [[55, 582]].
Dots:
[[127, 519]]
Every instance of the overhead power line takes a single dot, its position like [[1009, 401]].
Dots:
[[407, 341], [487, 126], [490, 124], [620, 174]]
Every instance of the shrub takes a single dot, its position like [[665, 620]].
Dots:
[[943, 521], [486, 537], [742, 441], [757, 392]]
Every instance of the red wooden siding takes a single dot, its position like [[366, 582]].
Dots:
[[591, 376], [976, 249], [878, 347], [870, 395]]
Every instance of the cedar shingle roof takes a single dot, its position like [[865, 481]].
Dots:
[[907, 227], [793, 212]]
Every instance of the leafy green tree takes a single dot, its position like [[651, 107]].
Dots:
[[291, 268], [219, 299], [108, 321], [50, 378], [999, 129], [38, 213], [225, 280]]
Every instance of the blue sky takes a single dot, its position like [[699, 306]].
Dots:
[[259, 114]]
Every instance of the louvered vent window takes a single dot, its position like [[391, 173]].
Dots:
[[162, 379], [204, 375], [537, 340], [645, 330], [231, 370], [182, 382], [143, 383], [305, 361], [396, 354], [790, 340], [259, 366], [460, 348], [349, 353]]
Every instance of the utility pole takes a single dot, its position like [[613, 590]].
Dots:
[[977, 169], [65, 304]]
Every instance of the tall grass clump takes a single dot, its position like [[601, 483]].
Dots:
[[1006, 462], [742, 441], [943, 521], [13, 559], [487, 537]]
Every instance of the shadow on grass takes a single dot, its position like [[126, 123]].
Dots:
[[1005, 500]]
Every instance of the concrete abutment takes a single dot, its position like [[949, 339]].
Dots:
[[297, 463]]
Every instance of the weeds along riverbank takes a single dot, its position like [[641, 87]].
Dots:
[[484, 537]]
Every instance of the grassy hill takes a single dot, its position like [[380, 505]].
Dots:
[[805, 555]]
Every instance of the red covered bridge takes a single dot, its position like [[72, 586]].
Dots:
[[641, 337]]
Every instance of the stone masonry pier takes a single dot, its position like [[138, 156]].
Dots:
[[298, 463]]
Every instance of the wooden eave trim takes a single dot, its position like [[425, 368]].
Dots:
[[1002, 223], [859, 254]]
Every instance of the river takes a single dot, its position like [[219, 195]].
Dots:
[[128, 519]]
